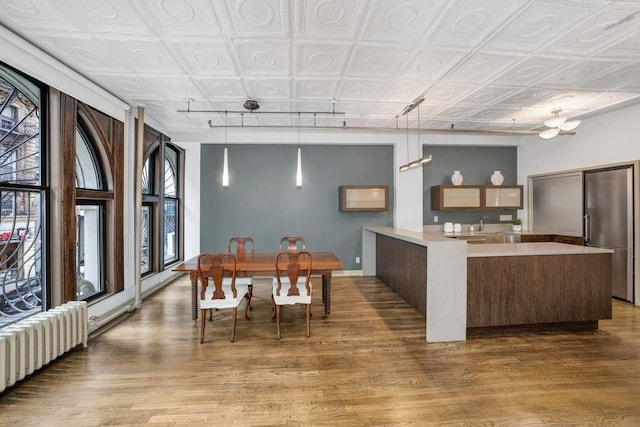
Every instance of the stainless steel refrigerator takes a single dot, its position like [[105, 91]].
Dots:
[[608, 222]]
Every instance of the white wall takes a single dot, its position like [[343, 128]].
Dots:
[[609, 138]]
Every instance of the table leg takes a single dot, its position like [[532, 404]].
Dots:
[[194, 295], [326, 292]]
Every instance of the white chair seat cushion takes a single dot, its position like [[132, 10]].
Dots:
[[284, 299], [228, 302], [239, 281]]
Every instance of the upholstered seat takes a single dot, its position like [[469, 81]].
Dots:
[[292, 285], [219, 295]]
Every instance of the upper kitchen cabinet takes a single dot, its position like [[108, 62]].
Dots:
[[455, 197], [364, 198], [475, 197]]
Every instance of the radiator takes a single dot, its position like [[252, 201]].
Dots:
[[31, 343]]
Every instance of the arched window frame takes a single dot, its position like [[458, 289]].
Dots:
[[94, 207], [162, 223]]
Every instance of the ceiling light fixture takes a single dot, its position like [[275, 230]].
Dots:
[[424, 160], [225, 164], [559, 125], [299, 164]]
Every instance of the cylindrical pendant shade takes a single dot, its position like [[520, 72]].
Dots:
[[299, 169], [225, 169]]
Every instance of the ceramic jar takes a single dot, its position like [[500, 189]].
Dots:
[[456, 178], [497, 178]]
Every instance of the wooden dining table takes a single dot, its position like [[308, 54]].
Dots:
[[263, 264]]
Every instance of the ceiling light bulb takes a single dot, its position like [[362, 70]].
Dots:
[[549, 133], [426, 159], [569, 125], [555, 122], [414, 164]]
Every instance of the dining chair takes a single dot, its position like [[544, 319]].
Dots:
[[242, 246], [291, 284], [292, 243], [219, 295]]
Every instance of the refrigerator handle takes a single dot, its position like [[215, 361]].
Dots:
[[587, 229]]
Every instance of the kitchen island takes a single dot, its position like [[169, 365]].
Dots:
[[457, 286]]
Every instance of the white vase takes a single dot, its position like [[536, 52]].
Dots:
[[497, 178], [456, 178], [516, 227]]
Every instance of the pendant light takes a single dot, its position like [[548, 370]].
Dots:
[[299, 164], [225, 164], [424, 160]]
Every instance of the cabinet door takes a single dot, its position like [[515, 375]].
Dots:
[[455, 197], [503, 197]]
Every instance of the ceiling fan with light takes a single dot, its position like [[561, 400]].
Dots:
[[557, 125]]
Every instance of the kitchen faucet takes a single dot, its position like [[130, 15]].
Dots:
[[481, 226]]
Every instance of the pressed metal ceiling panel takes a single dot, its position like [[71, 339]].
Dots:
[[480, 64]]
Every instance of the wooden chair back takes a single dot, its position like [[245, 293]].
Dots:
[[297, 264], [292, 243], [242, 246], [216, 266]]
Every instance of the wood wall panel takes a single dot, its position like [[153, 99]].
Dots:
[[403, 267], [538, 289]]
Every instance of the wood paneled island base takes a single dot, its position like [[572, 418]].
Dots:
[[538, 290]]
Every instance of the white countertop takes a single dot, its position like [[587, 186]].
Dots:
[[486, 249]]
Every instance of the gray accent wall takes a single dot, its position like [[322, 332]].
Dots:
[[476, 164], [262, 200]]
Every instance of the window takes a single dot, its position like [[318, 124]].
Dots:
[[90, 217], [22, 198], [161, 204]]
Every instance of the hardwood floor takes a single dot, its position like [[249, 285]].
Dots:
[[368, 364]]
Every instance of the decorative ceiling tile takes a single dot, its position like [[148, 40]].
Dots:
[[488, 95], [230, 89], [467, 23], [259, 58], [329, 19], [360, 89], [375, 61], [128, 86], [175, 87], [573, 76], [430, 64], [146, 56], [404, 92], [181, 17], [271, 89], [480, 68], [448, 93], [615, 79], [403, 21], [89, 54], [315, 88], [321, 59], [206, 58], [456, 113], [255, 18], [541, 22], [531, 70], [592, 34]]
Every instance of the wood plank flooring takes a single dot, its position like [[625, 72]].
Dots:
[[368, 364]]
